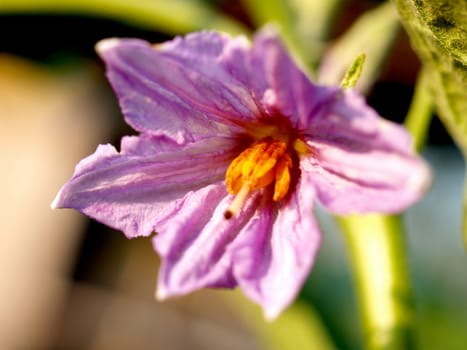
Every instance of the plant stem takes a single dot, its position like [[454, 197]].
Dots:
[[420, 112], [376, 248], [377, 252]]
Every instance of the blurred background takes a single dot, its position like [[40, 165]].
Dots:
[[67, 282]]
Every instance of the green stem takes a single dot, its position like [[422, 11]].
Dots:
[[376, 248], [420, 112], [377, 252]]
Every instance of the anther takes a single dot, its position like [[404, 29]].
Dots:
[[264, 163]]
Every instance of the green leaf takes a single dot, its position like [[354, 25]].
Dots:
[[174, 16], [353, 73], [438, 32]]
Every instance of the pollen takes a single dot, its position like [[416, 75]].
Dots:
[[264, 162]]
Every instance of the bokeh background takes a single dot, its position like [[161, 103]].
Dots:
[[67, 282]]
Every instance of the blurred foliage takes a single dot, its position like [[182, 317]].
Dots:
[[173, 17], [373, 33], [304, 25], [438, 30], [298, 327]]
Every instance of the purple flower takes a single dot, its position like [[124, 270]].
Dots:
[[235, 146]]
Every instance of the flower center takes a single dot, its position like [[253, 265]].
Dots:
[[264, 162]]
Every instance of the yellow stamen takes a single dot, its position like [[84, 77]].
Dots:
[[300, 146], [256, 167], [281, 187]]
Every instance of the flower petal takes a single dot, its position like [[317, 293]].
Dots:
[[194, 242], [186, 89], [348, 121], [291, 92], [361, 163], [273, 254], [134, 189]]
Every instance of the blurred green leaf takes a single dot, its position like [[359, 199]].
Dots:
[[298, 327], [173, 17], [373, 34], [314, 18], [312, 22], [304, 25], [279, 13], [438, 32]]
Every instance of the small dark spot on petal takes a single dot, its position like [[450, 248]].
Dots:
[[228, 214]]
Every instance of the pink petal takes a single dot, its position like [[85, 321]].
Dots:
[[187, 89], [273, 255], [361, 163], [290, 91], [193, 243], [134, 189]]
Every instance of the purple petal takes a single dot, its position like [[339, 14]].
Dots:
[[231, 56], [193, 243], [186, 89], [272, 256], [361, 163], [134, 189], [291, 92], [348, 121]]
